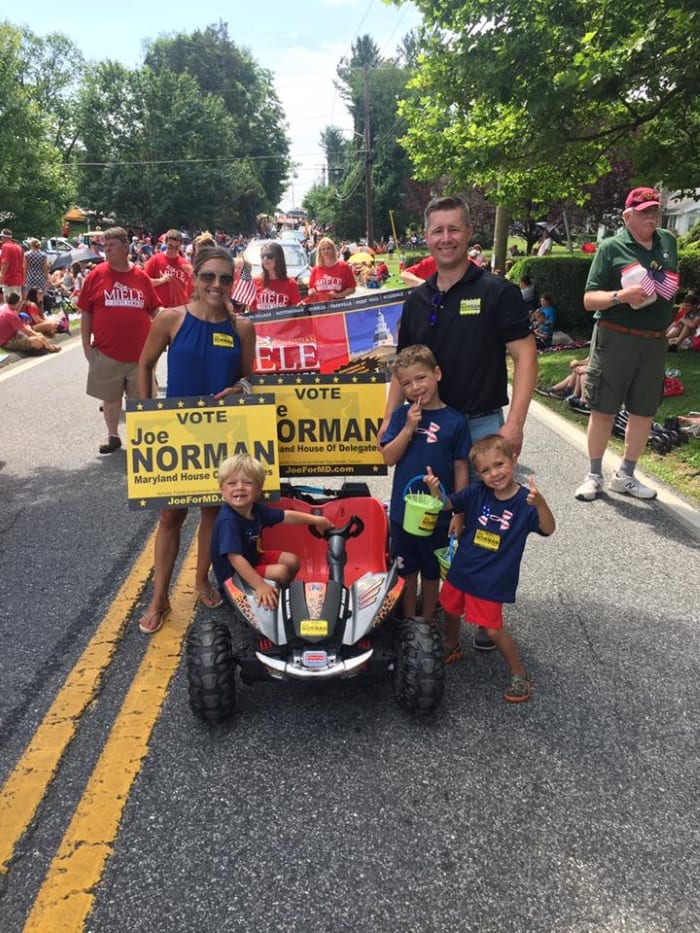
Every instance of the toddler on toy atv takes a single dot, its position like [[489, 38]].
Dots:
[[337, 619]]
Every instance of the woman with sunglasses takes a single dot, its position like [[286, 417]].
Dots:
[[331, 278], [210, 349], [274, 288]]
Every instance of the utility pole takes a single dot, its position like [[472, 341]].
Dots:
[[500, 237], [368, 158]]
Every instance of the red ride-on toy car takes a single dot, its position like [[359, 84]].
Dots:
[[339, 618]]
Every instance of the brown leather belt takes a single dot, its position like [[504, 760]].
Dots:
[[651, 334]]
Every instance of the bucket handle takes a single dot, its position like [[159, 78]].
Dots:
[[407, 487], [451, 546]]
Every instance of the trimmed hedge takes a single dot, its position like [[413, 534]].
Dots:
[[689, 268], [564, 277]]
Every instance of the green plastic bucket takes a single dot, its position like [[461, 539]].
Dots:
[[421, 510], [444, 556]]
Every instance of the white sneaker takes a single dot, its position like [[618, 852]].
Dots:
[[590, 487], [631, 486]]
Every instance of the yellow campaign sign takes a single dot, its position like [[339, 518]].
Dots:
[[327, 424], [175, 445]]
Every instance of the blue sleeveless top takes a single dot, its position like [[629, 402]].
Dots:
[[203, 358]]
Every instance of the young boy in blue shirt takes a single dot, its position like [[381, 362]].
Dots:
[[235, 539], [499, 514], [424, 433]]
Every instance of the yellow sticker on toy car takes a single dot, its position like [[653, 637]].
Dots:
[[314, 627], [487, 539]]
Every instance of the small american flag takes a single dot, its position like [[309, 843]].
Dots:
[[662, 282], [244, 290]]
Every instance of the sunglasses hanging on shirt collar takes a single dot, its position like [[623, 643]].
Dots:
[[436, 301]]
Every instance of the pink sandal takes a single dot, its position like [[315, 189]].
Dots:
[[151, 622]]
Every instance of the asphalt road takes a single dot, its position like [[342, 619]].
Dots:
[[328, 809]]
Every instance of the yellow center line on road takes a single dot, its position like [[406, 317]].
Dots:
[[67, 894], [26, 786]]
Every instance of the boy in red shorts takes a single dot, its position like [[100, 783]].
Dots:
[[499, 514], [235, 540]]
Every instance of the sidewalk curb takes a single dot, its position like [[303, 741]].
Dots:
[[677, 508]]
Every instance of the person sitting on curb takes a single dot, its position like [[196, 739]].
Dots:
[[685, 324], [49, 325], [542, 329], [573, 384], [16, 336]]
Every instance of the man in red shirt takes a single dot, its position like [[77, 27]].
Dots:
[[11, 265], [16, 336], [417, 274], [118, 302], [171, 273]]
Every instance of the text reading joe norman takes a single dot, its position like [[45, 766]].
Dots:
[[175, 463]]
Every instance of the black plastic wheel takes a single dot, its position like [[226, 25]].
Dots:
[[244, 645], [419, 672], [210, 671]]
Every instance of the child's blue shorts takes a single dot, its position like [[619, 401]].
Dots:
[[415, 554]]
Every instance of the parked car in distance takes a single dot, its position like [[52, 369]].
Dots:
[[294, 255], [51, 245]]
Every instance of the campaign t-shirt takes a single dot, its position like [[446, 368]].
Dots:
[[335, 278], [278, 293], [12, 254], [424, 269], [178, 289], [121, 305], [10, 324]]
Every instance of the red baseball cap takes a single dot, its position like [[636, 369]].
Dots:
[[641, 198]]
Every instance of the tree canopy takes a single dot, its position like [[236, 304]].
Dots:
[[222, 69], [371, 86], [194, 136], [35, 129], [535, 99], [155, 148]]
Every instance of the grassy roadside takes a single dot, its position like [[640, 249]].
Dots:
[[680, 468]]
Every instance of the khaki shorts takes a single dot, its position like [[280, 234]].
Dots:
[[110, 379], [20, 343], [624, 369]]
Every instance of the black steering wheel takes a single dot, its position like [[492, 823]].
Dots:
[[351, 529]]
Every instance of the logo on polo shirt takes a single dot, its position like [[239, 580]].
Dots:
[[470, 306]]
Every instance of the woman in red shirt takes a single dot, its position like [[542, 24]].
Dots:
[[274, 288], [331, 278]]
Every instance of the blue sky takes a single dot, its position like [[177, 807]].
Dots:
[[300, 43]]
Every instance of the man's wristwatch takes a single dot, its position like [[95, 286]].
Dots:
[[615, 300]]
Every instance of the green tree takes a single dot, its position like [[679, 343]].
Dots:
[[533, 100], [371, 87], [34, 186], [157, 151], [54, 67], [336, 149], [222, 69]]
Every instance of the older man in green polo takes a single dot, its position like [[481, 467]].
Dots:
[[630, 289]]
